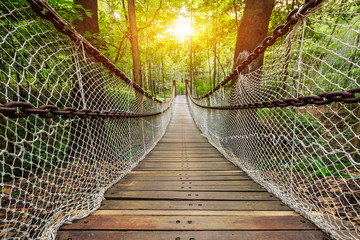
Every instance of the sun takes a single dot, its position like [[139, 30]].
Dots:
[[181, 28]]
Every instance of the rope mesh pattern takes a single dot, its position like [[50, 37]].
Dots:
[[57, 170], [307, 156]]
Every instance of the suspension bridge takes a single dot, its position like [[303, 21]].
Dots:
[[269, 153]]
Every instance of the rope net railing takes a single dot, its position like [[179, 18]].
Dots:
[[71, 123], [294, 124]]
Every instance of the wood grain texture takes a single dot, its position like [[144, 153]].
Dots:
[[195, 235]]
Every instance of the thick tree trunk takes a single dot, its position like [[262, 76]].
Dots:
[[87, 24], [191, 54], [243, 123], [89, 144], [134, 40], [252, 30], [216, 23]]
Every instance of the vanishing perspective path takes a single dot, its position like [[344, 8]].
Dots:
[[185, 189]]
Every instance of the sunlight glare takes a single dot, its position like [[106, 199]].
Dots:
[[181, 29]]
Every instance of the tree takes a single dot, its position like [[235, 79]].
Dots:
[[88, 93], [252, 30], [88, 22], [134, 42]]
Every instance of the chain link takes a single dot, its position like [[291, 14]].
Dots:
[[279, 31], [24, 109], [347, 96], [44, 10]]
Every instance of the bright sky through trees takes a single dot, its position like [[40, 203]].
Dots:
[[181, 28]]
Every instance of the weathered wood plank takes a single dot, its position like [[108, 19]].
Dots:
[[245, 182], [237, 188], [193, 213], [188, 173], [190, 164], [189, 178], [193, 235], [246, 222], [181, 160], [181, 169], [193, 205], [184, 195]]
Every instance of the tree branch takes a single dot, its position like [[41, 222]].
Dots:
[[152, 18], [120, 45]]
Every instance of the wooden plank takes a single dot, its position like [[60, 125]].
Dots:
[[238, 188], [193, 155], [183, 158], [179, 164], [159, 222], [245, 182], [186, 166], [187, 195], [184, 146], [193, 213], [186, 150], [192, 235], [190, 178], [194, 205], [179, 160], [188, 173], [193, 165], [182, 168]]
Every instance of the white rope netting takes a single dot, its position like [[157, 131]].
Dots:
[[308, 156], [56, 170]]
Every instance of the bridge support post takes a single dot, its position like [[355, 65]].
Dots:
[[174, 86], [186, 86]]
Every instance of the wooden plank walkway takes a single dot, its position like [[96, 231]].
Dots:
[[185, 189]]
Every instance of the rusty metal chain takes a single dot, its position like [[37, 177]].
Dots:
[[24, 109], [347, 96], [45, 11], [279, 31]]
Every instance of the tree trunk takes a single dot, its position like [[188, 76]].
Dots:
[[163, 75], [191, 55], [216, 23], [252, 30], [88, 24], [134, 40], [242, 123], [89, 141]]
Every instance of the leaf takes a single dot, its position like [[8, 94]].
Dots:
[[14, 193], [88, 13], [346, 175]]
